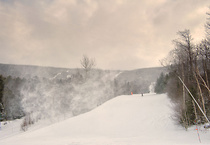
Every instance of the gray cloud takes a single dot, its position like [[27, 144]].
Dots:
[[119, 34]]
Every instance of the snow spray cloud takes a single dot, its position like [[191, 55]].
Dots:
[[67, 93]]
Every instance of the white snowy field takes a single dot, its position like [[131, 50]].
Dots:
[[124, 120]]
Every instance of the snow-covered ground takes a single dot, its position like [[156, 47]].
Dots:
[[124, 120]]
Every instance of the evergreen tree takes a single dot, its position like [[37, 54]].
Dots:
[[161, 84]]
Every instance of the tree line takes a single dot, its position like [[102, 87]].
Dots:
[[190, 62]]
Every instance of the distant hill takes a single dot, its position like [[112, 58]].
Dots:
[[139, 79], [48, 72], [28, 71], [141, 74]]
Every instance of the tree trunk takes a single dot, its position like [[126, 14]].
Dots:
[[200, 93], [184, 98], [205, 73], [204, 83], [196, 115]]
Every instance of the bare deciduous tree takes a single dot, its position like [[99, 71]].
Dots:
[[87, 63], [207, 26]]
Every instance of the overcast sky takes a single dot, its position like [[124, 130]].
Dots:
[[119, 34]]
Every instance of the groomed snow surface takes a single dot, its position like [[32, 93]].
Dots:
[[124, 120]]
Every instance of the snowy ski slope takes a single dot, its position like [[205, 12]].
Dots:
[[124, 120]]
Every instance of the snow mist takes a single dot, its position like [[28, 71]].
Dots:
[[66, 94]]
